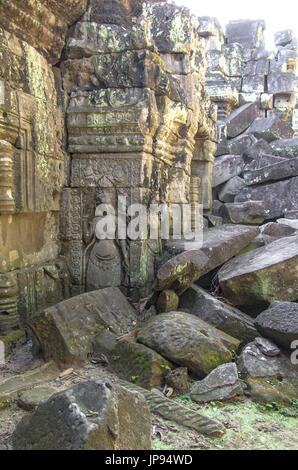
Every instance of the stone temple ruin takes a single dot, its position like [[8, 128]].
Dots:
[[107, 98]]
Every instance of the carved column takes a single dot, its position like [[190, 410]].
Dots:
[[9, 318], [7, 205]]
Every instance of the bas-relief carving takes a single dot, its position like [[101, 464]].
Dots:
[[140, 134]]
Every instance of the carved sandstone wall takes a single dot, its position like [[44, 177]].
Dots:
[[32, 35], [121, 111]]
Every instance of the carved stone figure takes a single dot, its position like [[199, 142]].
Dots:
[[108, 264]]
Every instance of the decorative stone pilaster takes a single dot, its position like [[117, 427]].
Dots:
[[7, 205]]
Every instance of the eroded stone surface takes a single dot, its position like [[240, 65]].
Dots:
[[66, 331], [94, 415], [222, 316], [279, 323], [221, 384], [263, 275], [188, 341]]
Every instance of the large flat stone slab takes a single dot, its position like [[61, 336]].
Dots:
[[12, 386], [218, 314], [263, 275], [279, 323], [278, 197], [278, 171], [66, 331], [188, 341], [219, 244]]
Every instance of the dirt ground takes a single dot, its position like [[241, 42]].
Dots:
[[249, 426]]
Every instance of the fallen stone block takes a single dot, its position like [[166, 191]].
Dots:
[[188, 341], [240, 119], [225, 167], [222, 316], [261, 391], [279, 323], [286, 148], [261, 161], [167, 301], [271, 128], [255, 364], [273, 231], [66, 331], [13, 386], [276, 172], [128, 359], [221, 384], [174, 411], [282, 82], [263, 275], [278, 197], [219, 245], [231, 188], [94, 415], [181, 271], [250, 212]]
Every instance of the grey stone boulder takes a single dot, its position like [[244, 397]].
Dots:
[[250, 212], [231, 188], [188, 341], [225, 167], [241, 144], [240, 119], [218, 314], [271, 128], [262, 275], [278, 171], [279, 323], [254, 363], [67, 330], [286, 148], [278, 197], [94, 415], [221, 384]]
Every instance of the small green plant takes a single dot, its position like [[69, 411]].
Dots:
[[185, 397], [116, 358], [164, 366], [134, 378]]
